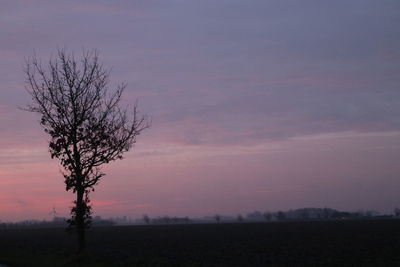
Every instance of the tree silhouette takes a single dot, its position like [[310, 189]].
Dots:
[[87, 127], [280, 216], [267, 216], [146, 219], [397, 212]]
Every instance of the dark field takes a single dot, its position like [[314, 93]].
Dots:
[[340, 243]]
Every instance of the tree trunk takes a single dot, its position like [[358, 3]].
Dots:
[[80, 223]]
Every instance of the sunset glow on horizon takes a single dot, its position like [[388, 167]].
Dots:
[[255, 105]]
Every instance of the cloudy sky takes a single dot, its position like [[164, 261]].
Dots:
[[255, 105]]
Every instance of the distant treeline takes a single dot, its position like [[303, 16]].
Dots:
[[257, 216], [56, 222], [310, 214], [304, 214]]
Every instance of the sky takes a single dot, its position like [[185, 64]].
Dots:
[[255, 105]]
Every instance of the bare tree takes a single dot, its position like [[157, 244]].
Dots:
[[217, 218], [397, 212], [146, 219], [87, 127], [280, 216], [304, 214], [267, 216]]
